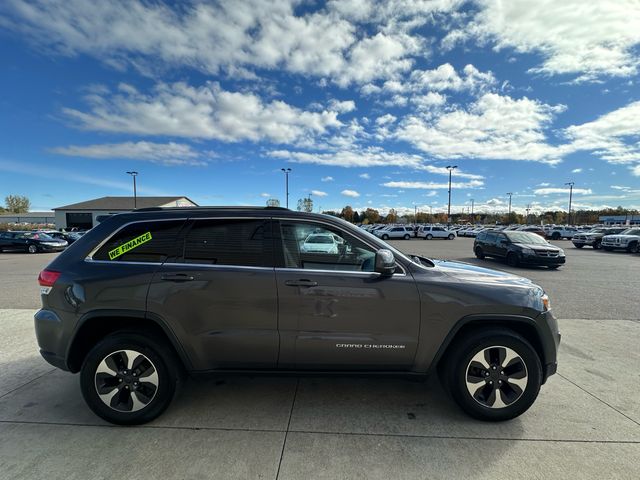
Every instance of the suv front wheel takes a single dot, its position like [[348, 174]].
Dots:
[[129, 378], [493, 376]]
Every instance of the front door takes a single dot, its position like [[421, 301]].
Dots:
[[335, 312], [220, 294]]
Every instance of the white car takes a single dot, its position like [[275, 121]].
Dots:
[[556, 233], [431, 232], [394, 232], [321, 243], [628, 240]]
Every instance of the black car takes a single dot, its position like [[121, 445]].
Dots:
[[518, 248], [32, 242], [148, 295], [69, 237]]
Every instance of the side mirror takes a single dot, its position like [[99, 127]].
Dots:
[[385, 262]]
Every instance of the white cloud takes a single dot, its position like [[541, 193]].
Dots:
[[326, 179], [494, 127], [434, 185], [551, 191], [265, 195], [589, 39], [169, 154], [635, 171], [385, 119], [206, 112], [614, 136], [576, 170], [371, 157], [544, 184], [233, 37], [366, 176], [319, 193], [350, 193]]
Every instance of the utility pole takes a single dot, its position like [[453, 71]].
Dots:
[[135, 194], [415, 213], [286, 171], [450, 168], [510, 195], [528, 208], [571, 184], [472, 201]]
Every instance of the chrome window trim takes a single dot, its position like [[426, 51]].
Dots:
[[89, 257]]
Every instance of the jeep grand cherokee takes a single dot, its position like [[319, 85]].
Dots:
[[149, 295]]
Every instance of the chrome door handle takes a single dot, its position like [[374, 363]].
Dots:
[[301, 283], [176, 277]]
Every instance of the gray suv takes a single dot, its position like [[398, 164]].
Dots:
[[149, 296]]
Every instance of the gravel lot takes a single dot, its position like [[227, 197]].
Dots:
[[585, 424]]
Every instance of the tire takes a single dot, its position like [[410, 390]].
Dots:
[[385, 237], [512, 259], [112, 354], [479, 253], [596, 245], [429, 237], [407, 236], [451, 236], [483, 356], [633, 247], [555, 236], [578, 246], [32, 248]]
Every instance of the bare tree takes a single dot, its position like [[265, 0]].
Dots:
[[17, 203]]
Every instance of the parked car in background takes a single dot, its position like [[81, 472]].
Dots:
[[594, 237], [536, 230], [320, 243], [32, 242], [557, 233], [430, 232], [69, 237], [628, 240], [518, 248], [394, 232], [474, 232]]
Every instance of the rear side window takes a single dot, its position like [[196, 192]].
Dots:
[[490, 237], [481, 236], [240, 242], [152, 241]]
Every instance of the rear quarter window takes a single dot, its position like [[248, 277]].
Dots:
[[152, 241]]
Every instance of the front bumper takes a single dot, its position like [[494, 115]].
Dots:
[[550, 337], [583, 242], [538, 260], [614, 245], [51, 248]]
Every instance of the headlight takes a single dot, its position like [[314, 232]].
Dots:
[[528, 251], [561, 253]]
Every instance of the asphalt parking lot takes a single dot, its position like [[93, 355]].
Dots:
[[585, 423]]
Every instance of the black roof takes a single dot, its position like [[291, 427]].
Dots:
[[122, 203]]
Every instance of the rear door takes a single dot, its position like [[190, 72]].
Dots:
[[335, 312], [220, 294]]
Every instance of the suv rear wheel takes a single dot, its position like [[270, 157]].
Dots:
[[479, 253], [407, 236], [493, 376], [129, 378]]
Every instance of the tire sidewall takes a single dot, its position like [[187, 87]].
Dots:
[[32, 248], [458, 368], [429, 237], [159, 354]]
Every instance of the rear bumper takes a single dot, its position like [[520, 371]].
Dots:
[[51, 338]]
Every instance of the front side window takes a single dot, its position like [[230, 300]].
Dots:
[[239, 242], [152, 241], [319, 247]]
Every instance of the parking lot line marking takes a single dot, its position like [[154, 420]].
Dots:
[[286, 433], [598, 398]]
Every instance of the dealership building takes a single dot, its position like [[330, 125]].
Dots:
[[38, 218], [630, 219], [84, 215]]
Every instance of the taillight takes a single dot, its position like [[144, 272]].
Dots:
[[47, 278]]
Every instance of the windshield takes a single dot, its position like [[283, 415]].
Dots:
[[525, 237], [35, 236], [319, 239], [631, 231]]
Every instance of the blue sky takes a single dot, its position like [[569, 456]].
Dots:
[[365, 101]]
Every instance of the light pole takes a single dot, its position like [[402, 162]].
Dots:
[[571, 184], [135, 194], [528, 208], [509, 216], [450, 168], [472, 204], [286, 182]]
